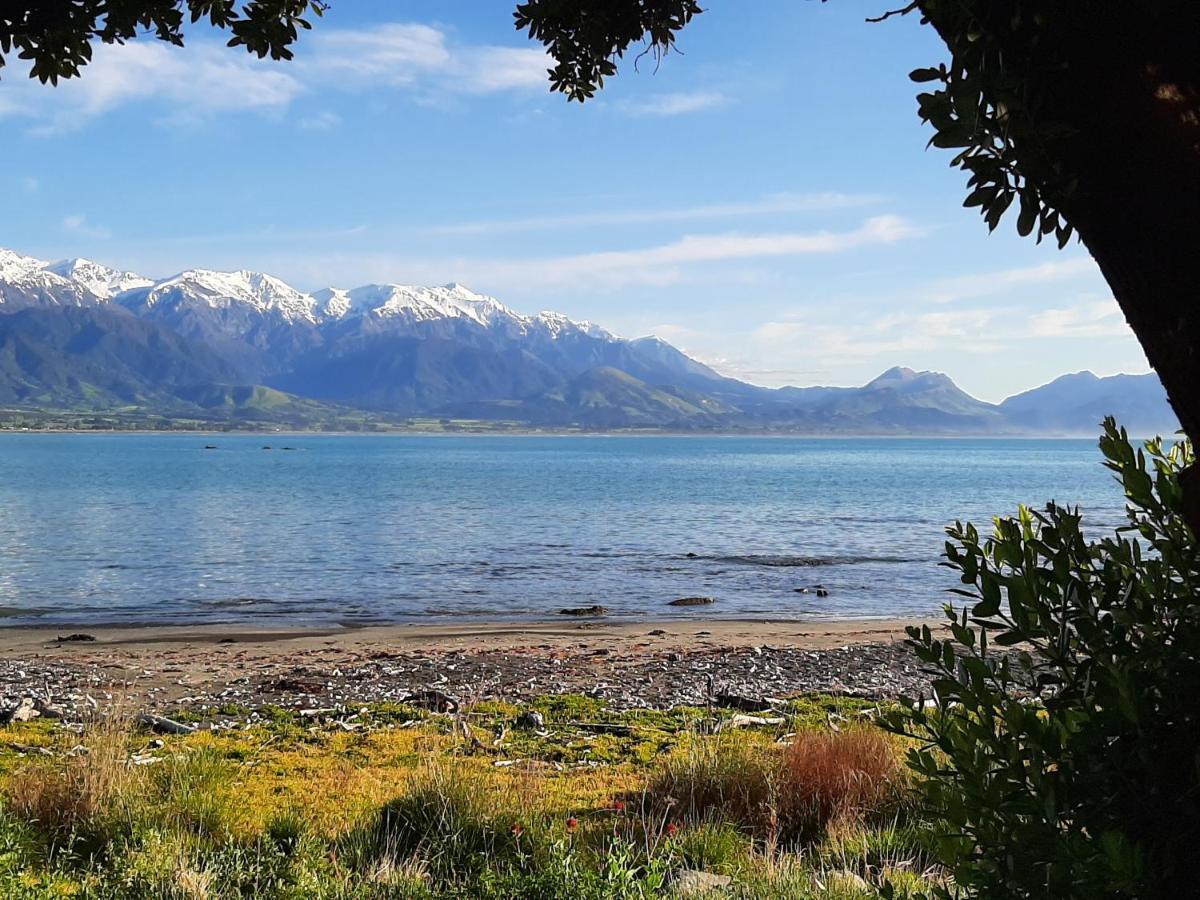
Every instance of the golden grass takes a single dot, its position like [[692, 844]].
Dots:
[[403, 806], [89, 794]]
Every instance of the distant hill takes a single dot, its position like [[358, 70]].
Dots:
[[1072, 404], [79, 335]]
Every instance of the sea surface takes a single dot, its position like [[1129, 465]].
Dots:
[[371, 529]]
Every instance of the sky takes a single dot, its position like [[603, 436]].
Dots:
[[763, 199]]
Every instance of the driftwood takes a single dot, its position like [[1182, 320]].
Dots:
[[605, 727], [30, 748], [743, 721], [163, 725], [468, 735], [435, 701], [745, 704], [47, 709]]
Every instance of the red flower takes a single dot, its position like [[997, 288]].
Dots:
[[572, 825], [517, 829], [672, 828], [619, 805]]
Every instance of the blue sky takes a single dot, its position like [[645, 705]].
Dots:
[[764, 200]]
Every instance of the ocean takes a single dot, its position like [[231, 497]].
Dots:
[[325, 529]]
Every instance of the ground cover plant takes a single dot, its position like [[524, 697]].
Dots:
[[412, 804]]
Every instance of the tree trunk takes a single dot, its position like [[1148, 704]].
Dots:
[[1132, 97], [1120, 84]]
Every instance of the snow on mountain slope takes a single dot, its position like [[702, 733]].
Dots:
[[556, 325], [222, 290], [413, 304], [103, 281], [25, 281], [14, 265]]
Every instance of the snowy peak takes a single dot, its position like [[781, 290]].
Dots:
[[413, 304], [13, 265], [241, 296], [103, 281], [222, 290], [25, 281]]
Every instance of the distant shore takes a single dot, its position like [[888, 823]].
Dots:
[[628, 664]]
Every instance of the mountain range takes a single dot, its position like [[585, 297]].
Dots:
[[78, 335]]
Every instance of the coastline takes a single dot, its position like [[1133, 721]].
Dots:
[[633, 664], [679, 632]]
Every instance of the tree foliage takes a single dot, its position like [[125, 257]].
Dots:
[[57, 37], [587, 39], [1062, 746]]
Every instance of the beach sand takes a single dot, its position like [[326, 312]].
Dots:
[[627, 663]]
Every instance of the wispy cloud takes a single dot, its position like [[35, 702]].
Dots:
[[768, 205], [985, 284], [675, 104], [668, 263], [207, 78], [1098, 318], [31, 185], [78, 224], [320, 121], [911, 335], [681, 261]]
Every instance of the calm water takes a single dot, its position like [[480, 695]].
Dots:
[[134, 528]]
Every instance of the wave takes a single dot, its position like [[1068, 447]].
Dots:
[[784, 561]]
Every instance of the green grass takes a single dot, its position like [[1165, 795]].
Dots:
[[407, 807]]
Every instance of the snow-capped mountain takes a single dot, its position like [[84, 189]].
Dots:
[[103, 281], [241, 298], [26, 281], [344, 344], [254, 292], [84, 335]]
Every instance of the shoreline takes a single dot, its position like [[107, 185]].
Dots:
[[738, 632], [533, 432], [626, 665]]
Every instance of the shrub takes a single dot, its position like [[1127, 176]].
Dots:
[[1066, 765]]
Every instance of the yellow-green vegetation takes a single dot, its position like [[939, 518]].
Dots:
[[393, 801]]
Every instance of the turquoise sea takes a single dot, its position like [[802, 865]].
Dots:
[[348, 529]]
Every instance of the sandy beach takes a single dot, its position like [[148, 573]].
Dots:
[[629, 664]]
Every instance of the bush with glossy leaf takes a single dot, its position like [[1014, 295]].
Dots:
[[1060, 748]]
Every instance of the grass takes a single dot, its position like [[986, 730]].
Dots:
[[410, 806]]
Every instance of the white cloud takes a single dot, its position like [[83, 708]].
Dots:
[[193, 83], [420, 57], [768, 205], [678, 262], [948, 290], [78, 224], [1099, 318], [395, 53], [208, 78], [675, 104], [667, 263], [490, 69]]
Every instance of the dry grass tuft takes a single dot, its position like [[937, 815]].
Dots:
[[88, 794], [837, 778], [721, 779]]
